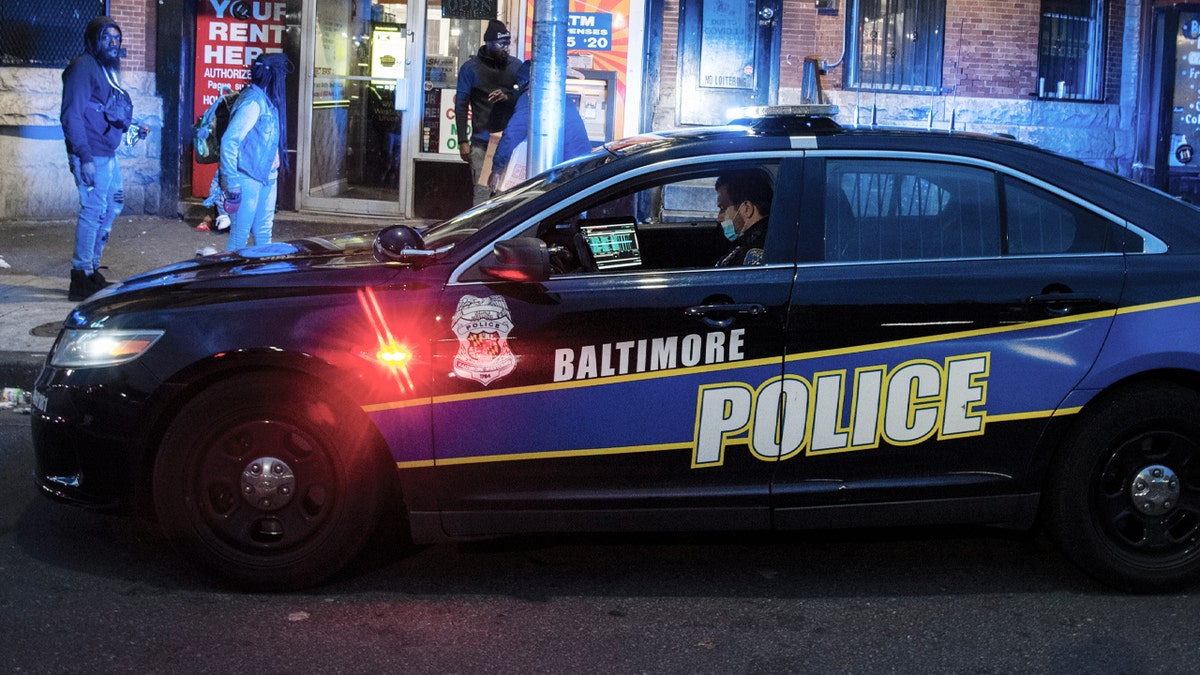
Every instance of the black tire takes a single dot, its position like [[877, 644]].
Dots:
[[268, 483], [1124, 495]]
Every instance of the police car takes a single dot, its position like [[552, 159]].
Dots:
[[938, 328]]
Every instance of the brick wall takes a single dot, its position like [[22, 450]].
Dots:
[[990, 48], [136, 18], [799, 40], [664, 109], [1116, 49], [990, 53]]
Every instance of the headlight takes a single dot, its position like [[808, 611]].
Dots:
[[93, 348]]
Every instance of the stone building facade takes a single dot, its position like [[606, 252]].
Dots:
[[989, 73], [989, 79], [35, 182]]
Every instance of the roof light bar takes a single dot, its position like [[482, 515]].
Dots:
[[761, 112]]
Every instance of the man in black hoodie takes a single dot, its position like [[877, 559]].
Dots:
[[485, 84], [95, 113]]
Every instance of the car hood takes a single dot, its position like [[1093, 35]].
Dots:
[[352, 249]]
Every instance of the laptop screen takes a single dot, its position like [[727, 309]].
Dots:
[[613, 245]]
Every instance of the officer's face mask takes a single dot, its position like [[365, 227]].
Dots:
[[728, 229]]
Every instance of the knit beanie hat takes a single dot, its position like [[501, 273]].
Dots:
[[496, 30]]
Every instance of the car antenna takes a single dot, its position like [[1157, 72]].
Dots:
[[858, 88], [931, 105], [958, 76], [874, 77]]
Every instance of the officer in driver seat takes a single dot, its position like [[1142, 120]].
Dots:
[[744, 202]]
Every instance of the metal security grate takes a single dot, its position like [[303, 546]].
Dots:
[[896, 45], [44, 33], [1071, 50]]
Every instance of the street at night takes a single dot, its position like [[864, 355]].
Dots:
[[92, 593]]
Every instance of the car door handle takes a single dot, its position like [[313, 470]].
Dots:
[[1062, 303], [752, 308], [725, 312], [1063, 299]]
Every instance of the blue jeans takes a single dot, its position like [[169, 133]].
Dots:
[[480, 193], [256, 215], [99, 206]]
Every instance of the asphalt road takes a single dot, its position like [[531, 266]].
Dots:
[[82, 592]]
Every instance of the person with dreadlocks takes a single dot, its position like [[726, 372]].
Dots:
[[253, 150], [95, 113]]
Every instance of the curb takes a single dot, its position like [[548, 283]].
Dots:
[[20, 369]]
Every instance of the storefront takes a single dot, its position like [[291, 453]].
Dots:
[[1171, 130], [374, 128]]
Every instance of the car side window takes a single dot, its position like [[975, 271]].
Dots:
[[662, 222], [1038, 222], [878, 210]]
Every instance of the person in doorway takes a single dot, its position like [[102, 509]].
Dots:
[[485, 88], [743, 203], [253, 150], [96, 111], [575, 141]]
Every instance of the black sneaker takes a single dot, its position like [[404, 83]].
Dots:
[[98, 281], [81, 286]]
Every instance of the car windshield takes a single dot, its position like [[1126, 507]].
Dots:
[[458, 228]]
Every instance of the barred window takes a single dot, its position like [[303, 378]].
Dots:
[[44, 33], [896, 44], [1071, 47]]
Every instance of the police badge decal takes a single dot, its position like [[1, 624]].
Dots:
[[482, 326]]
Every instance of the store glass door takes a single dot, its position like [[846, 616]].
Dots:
[[440, 180], [354, 118]]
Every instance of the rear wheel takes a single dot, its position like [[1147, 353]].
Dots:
[[1124, 498], [268, 483]]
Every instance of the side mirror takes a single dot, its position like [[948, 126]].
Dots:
[[520, 259], [399, 243]]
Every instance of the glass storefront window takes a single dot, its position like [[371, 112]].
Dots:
[[364, 154], [441, 180], [449, 43], [355, 129]]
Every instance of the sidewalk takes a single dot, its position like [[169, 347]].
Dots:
[[35, 262]]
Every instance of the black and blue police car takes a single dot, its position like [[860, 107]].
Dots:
[[937, 328]]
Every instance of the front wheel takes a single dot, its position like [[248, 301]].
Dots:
[[268, 483], [1124, 495]]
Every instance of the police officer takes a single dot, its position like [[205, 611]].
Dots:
[[744, 202]]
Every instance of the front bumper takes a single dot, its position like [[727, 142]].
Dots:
[[89, 437]]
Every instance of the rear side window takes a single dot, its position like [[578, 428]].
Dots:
[[1038, 223], [887, 210], [906, 210]]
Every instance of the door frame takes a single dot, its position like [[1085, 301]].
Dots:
[[707, 105], [414, 79]]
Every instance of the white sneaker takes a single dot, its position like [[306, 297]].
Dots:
[[222, 222], [207, 250]]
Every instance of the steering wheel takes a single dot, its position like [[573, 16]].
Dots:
[[587, 262]]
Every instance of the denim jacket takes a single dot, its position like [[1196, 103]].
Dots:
[[250, 146]]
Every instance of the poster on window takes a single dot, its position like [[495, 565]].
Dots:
[[230, 34], [1185, 116], [727, 52], [597, 40], [388, 43]]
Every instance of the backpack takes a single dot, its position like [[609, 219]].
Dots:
[[207, 132]]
